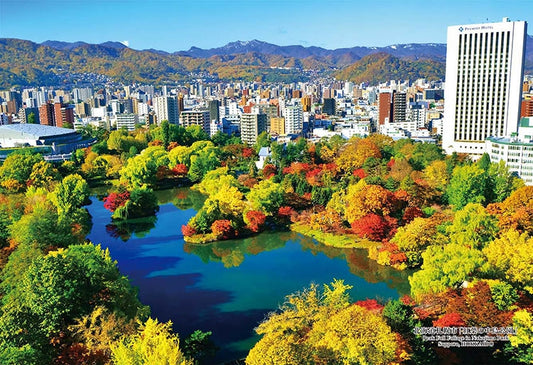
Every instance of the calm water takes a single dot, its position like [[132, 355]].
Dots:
[[227, 287]]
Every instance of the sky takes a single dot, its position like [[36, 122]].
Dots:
[[177, 25]]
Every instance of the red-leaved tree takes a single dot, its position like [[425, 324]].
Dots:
[[370, 304], [449, 320], [255, 220], [115, 200], [223, 229], [188, 230], [373, 227]]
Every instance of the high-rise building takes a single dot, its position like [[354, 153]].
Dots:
[[484, 73], [527, 108], [277, 126], [294, 119], [399, 107], [329, 106], [46, 114], [384, 108], [196, 117], [63, 114], [166, 108], [213, 110], [252, 125]]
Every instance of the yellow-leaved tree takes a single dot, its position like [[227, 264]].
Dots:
[[322, 327], [154, 343]]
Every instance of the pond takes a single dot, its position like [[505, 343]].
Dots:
[[227, 287]]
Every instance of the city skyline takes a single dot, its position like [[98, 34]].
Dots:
[[177, 25]]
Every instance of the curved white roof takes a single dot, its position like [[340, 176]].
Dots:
[[35, 131]]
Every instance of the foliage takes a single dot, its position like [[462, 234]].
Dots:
[[58, 288], [223, 229], [43, 174], [510, 258], [399, 316], [355, 153], [467, 185], [449, 320], [445, 267], [516, 212], [198, 345], [374, 227], [142, 202], [16, 170], [413, 238], [267, 197], [472, 226], [254, 220], [115, 200], [154, 343], [70, 195], [315, 327], [521, 343], [142, 169]]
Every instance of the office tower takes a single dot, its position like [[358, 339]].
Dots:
[[166, 108], [329, 106], [252, 125], [213, 110], [385, 108], [126, 120], [399, 107], [181, 103], [484, 72], [195, 117], [294, 119]]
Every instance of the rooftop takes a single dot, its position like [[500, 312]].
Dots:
[[32, 130]]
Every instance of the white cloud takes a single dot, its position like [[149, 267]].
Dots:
[[126, 43]]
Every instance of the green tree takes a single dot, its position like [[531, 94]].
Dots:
[[142, 169], [521, 344], [70, 195], [467, 185], [16, 170], [445, 267], [31, 118], [267, 197], [473, 227]]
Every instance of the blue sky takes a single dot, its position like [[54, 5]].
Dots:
[[174, 25]]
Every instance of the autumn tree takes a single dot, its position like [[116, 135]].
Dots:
[[69, 195], [510, 258], [445, 267], [267, 197], [472, 226], [354, 154], [322, 327], [16, 170], [154, 343]]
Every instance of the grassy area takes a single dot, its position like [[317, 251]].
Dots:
[[200, 238], [331, 239]]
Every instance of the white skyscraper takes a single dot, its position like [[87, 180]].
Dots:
[[294, 117], [484, 72], [166, 108]]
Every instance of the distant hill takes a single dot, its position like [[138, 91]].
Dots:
[[381, 67], [25, 63]]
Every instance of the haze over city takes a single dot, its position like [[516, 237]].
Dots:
[[178, 25]]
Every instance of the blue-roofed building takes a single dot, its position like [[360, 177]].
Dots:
[[60, 141]]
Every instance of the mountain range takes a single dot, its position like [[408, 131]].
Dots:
[[25, 63]]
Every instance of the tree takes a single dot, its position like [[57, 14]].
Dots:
[[16, 170], [521, 344], [445, 267], [70, 195], [501, 182], [142, 169], [413, 238], [254, 220], [142, 202], [472, 226], [354, 154], [43, 174], [31, 118], [153, 344], [510, 258], [223, 229], [516, 212], [267, 197], [373, 227], [467, 185], [362, 199], [316, 327], [60, 287]]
